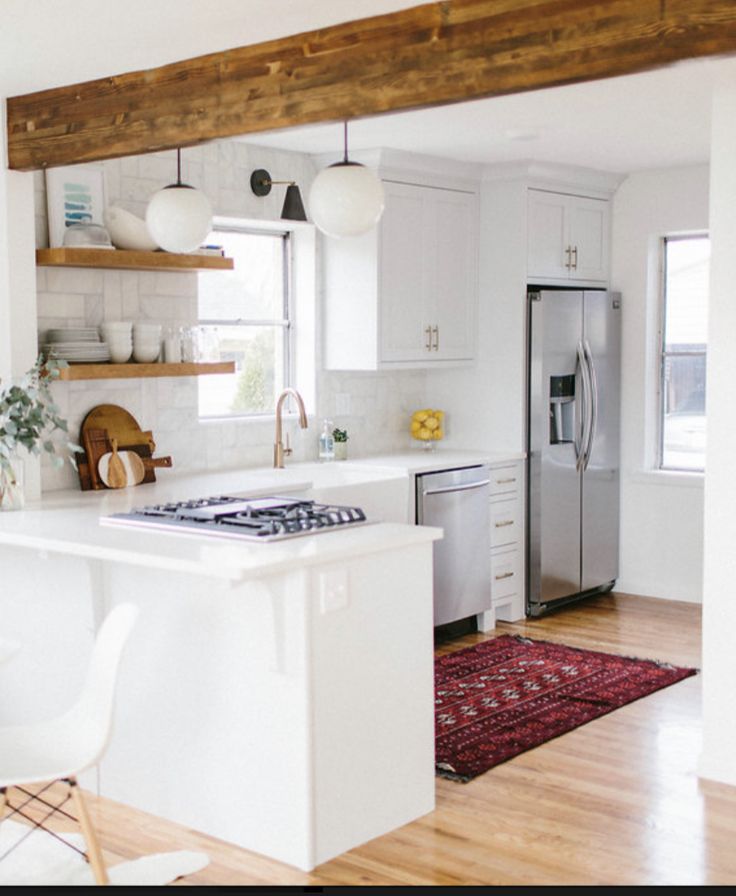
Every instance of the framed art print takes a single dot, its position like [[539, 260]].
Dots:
[[74, 195]]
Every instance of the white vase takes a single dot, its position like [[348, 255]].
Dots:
[[12, 493]]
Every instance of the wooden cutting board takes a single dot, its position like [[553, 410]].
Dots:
[[103, 423]]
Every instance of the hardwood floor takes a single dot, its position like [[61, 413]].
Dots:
[[616, 801]]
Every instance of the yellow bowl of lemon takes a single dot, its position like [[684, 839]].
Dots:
[[427, 426]]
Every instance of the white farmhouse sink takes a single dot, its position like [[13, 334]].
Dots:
[[381, 492]]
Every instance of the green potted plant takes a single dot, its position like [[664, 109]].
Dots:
[[340, 439], [28, 418]]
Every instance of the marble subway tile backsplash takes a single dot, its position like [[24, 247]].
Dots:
[[373, 407]]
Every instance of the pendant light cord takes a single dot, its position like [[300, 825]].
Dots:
[[345, 140], [178, 166]]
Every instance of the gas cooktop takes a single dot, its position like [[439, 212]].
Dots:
[[271, 518]]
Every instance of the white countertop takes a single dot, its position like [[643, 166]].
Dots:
[[422, 461], [68, 521]]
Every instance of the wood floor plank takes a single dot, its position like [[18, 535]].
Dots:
[[616, 801]]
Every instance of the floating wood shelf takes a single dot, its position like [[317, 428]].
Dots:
[[123, 259], [135, 371]]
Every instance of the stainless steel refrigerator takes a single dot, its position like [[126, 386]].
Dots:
[[573, 445]]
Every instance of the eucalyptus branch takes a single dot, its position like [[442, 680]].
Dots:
[[29, 417]]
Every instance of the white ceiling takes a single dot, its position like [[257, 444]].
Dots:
[[653, 120]]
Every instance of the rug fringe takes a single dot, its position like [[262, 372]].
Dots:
[[441, 772], [660, 663]]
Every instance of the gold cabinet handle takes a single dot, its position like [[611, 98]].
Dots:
[[428, 331], [568, 263], [504, 575], [436, 331], [504, 523], [575, 258], [505, 481]]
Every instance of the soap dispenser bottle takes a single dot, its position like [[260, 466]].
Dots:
[[326, 442]]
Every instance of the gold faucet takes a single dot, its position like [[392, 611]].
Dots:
[[279, 451]]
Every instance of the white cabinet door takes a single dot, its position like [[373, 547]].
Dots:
[[547, 235], [567, 238], [405, 293], [589, 238], [406, 240], [452, 292], [427, 274]]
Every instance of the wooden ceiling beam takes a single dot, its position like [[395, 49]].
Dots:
[[437, 53]]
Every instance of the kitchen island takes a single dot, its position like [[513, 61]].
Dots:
[[278, 696]]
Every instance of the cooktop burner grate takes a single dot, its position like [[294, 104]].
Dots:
[[270, 518]]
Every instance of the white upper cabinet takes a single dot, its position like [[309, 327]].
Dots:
[[568, 238], [405, 294]]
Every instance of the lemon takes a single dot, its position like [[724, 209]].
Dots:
[[431, 423], [440, 415], [425, 433], [437, 434], [415, 426], [420, 416]]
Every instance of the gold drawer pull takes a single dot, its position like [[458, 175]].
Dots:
[[504, 523], [504, 575], [505, 481]]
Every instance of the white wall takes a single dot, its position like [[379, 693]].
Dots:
[[661, 513], [719, 606]]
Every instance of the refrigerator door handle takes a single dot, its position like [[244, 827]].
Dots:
[[593, 382], [583, 427]]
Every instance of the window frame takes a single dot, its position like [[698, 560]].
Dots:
[[286, 322], [663, 354]]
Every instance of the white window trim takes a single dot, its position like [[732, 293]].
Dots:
[[651, 472], [303, 300]]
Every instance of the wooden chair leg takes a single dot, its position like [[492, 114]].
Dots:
[[93, 847], [3, 801]]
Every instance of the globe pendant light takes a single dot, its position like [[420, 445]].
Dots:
[[347, 198], [179, 218]]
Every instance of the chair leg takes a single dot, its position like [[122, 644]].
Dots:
[[3, 801], [93, 847]]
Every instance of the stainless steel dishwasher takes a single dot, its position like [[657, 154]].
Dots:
[[458, 502]]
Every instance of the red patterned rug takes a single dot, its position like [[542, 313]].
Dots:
[[506, 695]]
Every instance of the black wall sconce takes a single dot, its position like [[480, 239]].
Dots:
[[293, 210]]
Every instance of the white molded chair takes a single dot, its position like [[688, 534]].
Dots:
[[62, 747]]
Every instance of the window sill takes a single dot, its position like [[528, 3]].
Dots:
[[245, 419], [668, 478]]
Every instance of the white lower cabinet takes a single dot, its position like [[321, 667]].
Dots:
[[507, 541]]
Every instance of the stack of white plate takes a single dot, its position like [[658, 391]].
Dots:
[[78, 345], [73, 334]]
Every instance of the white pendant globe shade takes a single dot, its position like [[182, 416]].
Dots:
[[179, 218], [346, 199]]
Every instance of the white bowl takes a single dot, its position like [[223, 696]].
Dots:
[[146, 355], [120, 354], [128, 231]]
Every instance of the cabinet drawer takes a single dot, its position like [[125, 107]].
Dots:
[[505, 479], [505, 522], [505, 574]]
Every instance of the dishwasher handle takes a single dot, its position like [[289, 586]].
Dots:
[[456, 488]]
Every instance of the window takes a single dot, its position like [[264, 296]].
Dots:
[[248, 310], [683, 353]]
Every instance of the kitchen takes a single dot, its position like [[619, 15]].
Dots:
[[412, 387]]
